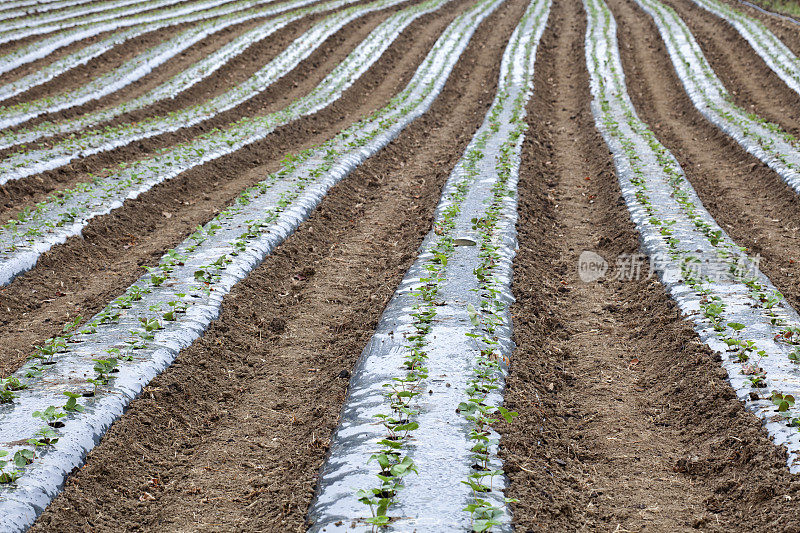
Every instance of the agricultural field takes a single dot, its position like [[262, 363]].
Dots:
[[399, 265]]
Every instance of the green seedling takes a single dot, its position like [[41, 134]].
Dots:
[[6, 396], [46, 436], [72, 404], [23, 457], [12, 384], [73, 324], [7, 477], [50, 416], [783, 401], [157, 276], [105, 367], [50, 348], [34, 371]]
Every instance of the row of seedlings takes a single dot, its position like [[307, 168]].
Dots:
[[491, 320], [764, 140], [415, 431], [26, 163], [735, 309], [137, 67], [65, 213], [78, 383], [182, 81], [141, 24], [774, 53]]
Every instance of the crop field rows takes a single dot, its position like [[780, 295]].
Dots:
[[399, 265]]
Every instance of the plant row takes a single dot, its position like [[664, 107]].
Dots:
[[416, 431], [774, 53], [60, 402], [137, 67], [764, 140], [65, 213], [29, 162], [491, 321], [735, 309], [142, 24], [175, 85]]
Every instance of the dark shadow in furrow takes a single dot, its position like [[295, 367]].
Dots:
[[627, 421], [233, 434]]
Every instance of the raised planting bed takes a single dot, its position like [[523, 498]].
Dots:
[[142, 24], [170, 88], [416, 434], [30, 162]]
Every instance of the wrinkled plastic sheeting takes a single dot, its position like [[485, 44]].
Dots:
[[781, 373], [91, 13], [18, 8], [774, 14], [689, 62], [95, 12], [43, 479], [19, 253], [433, 499]]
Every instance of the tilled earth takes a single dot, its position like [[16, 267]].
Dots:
[[627, 422]]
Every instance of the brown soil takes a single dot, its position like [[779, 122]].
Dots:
[[300, 81], [232, 74], [627, 422], [11, 46], [7, 48], [752, 84], [81, 276], [256, 399]]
